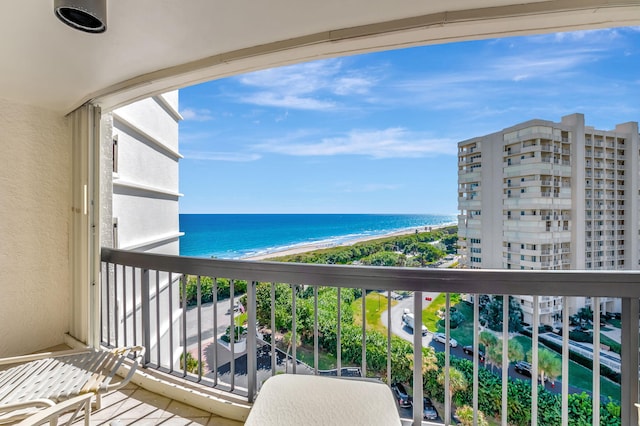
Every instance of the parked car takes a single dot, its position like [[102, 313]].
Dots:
[[523, 368], [403, 398], [441, 337], [429, 412], [469, 351]]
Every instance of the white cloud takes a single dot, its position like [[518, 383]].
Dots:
[[387, 143], [299, 79], [310, 86], [286, 101], [195, 114], [221, 156], [282, 117], [352, 85]]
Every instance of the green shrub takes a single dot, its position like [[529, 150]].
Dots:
[[192, 364]]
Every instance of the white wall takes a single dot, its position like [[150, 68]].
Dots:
[[145, 191], [35, 188], [144, 202]]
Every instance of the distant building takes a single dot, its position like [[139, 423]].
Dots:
[[545, 195]]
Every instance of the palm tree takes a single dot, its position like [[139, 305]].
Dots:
[[287, 340], [549, 365], [489, 340], [515, 351], [429, 361], [457, 381], [494, 355], [585, 315]]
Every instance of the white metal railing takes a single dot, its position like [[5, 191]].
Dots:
[[141, 304]]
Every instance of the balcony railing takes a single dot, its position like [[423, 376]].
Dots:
[[141, 303]]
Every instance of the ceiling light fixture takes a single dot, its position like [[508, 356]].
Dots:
[[85, 15]]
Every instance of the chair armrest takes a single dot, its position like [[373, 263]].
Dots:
[[42, 355], [52, 413], [122, 353]]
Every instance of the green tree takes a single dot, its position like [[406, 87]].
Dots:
[[429, 361], [489, 340], [515, 351], [465, 416], [457, 381], [584, 315], [287, 339], [549, 365], [493, 356], [491, 314]]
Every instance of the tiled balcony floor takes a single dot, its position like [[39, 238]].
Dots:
[[133, 405]]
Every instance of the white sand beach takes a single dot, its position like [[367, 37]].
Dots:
[[322, 245]]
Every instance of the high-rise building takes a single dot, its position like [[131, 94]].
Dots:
[[546, 195]]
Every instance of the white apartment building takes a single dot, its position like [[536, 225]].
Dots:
[[142, 169], [546, 195]]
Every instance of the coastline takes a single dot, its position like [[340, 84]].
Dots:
[[323, 245]]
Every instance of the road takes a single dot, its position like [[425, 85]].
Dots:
[[206, 315], [397, 325]]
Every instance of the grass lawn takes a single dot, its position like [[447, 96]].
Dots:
[[579, 376], [615, 346], [615, 322], [325, 361], [464, 332], [375, 305]]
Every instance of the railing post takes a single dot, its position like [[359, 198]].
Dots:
[[629, 361], [595, 370], [534, 358], [146, 315], [294, 331], [417, 359], [476, 355], [447, 358], [504, 416], [364, 333], [252, 364], [565, 363]]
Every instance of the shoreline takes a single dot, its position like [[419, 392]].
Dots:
[[305, 248]]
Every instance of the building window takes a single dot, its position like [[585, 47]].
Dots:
[[115, 232], [114, 153]]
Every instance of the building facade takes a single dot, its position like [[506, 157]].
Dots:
[[142, 167], [550, 196]]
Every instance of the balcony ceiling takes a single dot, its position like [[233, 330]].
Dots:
[[155, 45]]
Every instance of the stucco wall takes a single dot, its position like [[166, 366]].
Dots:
[[35, 184]]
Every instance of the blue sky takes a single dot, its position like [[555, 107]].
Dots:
[[377, 133]]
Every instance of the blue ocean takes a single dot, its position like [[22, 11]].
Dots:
[[236, 236]]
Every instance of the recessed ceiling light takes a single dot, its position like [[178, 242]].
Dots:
[[84, 15]]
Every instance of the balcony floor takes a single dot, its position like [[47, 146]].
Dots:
[[133, 405]]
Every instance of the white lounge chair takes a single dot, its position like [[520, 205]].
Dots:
[[30, 382]]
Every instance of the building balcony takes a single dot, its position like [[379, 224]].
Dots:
[[138, 288]]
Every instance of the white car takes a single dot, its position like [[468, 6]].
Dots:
[[440, 337]]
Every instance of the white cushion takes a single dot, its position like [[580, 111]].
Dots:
[[291, 399]]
